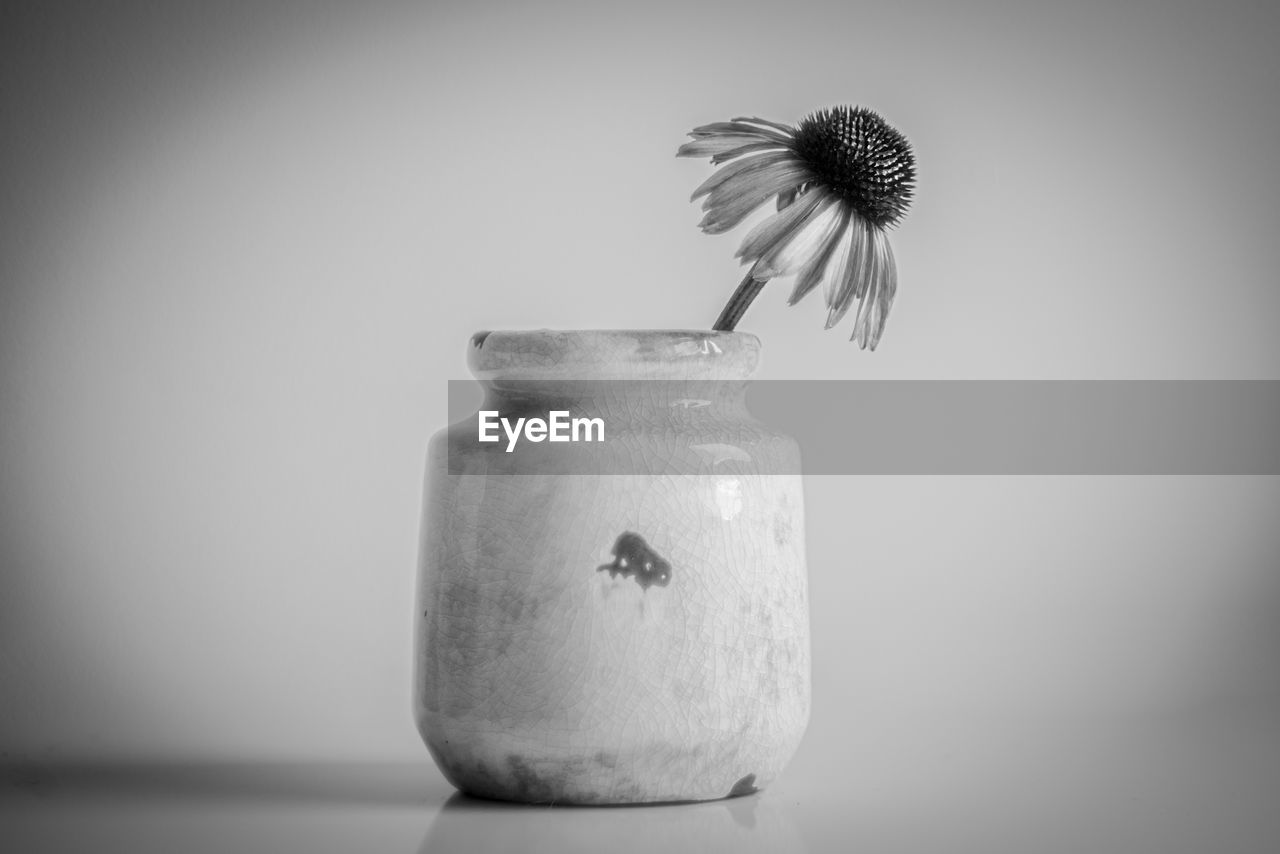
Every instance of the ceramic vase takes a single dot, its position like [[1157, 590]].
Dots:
[[627, 622]]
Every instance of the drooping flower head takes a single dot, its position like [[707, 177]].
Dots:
[[842, 177]]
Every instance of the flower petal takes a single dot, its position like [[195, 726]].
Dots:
[[734, 170], [715, 145], [874, 310], [753, 181], [788, 130], [841, 292], [888, 290], [730, 204], [741, 150], [810, 237], [867, 310], [869, 269], [717, 128], [765, 236], [838, 265], [811, 273]]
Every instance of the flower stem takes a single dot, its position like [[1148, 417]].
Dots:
[[737, 305]]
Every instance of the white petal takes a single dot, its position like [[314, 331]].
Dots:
[[840, 293], [872, 311], [806, 241], [788, 130], [731, 204], [861, 326], [733, 170], [752, 181], [838, 267], [728, 190], [714, 145], [810, 274], [753, 148], [761, 239], [739, 127], [888, 290]]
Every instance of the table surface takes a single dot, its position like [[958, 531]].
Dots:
[[1132, 792]]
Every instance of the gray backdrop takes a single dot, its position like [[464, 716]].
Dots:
[[243, 250]]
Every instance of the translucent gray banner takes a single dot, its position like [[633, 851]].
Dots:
[[866, 427]]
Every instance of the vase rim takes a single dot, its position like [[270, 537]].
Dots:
[[613, 354]]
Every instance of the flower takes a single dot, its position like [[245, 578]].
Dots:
[[842, 177]]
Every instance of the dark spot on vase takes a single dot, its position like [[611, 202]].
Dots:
[[477, 340], [633, 558], [745, 786]]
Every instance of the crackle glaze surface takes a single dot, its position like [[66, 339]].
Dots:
[[615, 638]]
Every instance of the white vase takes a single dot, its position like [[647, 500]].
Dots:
[[635, 636]]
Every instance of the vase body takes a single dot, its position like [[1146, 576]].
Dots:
[[633, 635]]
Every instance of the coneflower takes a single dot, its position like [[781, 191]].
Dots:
[[842, 177]]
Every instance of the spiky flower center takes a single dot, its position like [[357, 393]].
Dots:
[[859, 156]]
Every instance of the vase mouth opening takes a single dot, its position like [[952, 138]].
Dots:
[[613, 354]]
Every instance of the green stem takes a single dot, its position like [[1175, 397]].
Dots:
[[737, 305]]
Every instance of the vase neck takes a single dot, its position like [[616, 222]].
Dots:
[[627, 355]]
